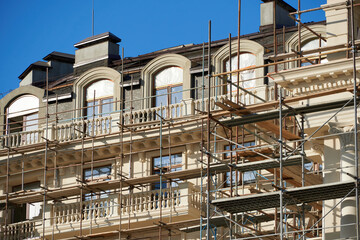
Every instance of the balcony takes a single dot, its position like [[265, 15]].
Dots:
[[20, 230], [142, 208], [73, 130]]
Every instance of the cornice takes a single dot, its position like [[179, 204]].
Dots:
[[333, 74]]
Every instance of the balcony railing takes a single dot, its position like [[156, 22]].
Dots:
[[93, 209], [20, 230], [73, 130], [133, 205], [139, 206]]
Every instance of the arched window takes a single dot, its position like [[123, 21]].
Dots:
[[22, 114], [313, 44], [247, 80], [99, 98], [168, 86]]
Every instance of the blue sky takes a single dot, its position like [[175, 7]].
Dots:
[[32, 29]]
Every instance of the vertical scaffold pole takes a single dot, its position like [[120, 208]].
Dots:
[[161, 167], [299, 31], [203, 78], [121, 123], [355, 117], [281, 166], [303, 172], [7, 191], [208, 140], [46, 152], [201, 175], [238, 53]]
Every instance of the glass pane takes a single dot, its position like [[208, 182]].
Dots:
[[313, 44], [168, 76], [246, 60], [176, 159], [98, 172], [176, 165], [100, 89], [176, 94], [161, 97], [91, 108], [107, 106], [249, 177], [31, 122]]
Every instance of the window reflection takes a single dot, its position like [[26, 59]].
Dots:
[[247, 60]]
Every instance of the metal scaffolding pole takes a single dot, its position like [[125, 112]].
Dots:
[[121, 137], [208, 232], [355, 117], [281, 166], [46, 153]]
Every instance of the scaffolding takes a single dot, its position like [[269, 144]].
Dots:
[[290, 207]]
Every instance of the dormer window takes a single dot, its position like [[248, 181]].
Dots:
[[168, 86], [99, 99]]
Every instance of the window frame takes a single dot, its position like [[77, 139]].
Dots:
[[100, 194], [167, 87], [98, 103], [25, 207], [153, 169], [226, 175], [225, 90], [315, 59]]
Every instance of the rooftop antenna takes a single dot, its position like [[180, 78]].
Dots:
[[93, 17]]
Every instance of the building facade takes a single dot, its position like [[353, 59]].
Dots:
[[188, 142]]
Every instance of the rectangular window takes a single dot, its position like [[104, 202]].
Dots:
[[167, 163], [97, 174], [249, 177], [101, 107]]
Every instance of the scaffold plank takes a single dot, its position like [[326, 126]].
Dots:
[[274, 114], [268, 164], [291, 197], [221, 221]]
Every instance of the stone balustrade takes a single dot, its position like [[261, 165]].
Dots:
[[72, 130], [20, 230]]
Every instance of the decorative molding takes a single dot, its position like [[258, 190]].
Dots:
[[13, 95], [95, 74], [159, 63], [246, 45], [142, 157], [346, 135], [293, 41], [321, 76], [317, 147]]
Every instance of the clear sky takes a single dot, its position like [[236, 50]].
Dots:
[[32, 29]]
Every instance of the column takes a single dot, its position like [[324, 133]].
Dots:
[[347, 164]]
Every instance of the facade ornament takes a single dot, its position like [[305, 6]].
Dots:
[[346, 135], [142, 157], [317, 147]]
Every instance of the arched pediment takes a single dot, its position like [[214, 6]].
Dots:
[[221, 55], [160, 63], [92, 75], [15, 94]]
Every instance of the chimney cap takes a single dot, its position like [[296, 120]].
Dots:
[[107, 36], [283, 4], [63, 57]]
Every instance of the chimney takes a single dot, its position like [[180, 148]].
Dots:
[[96, 51], [282, 14]]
